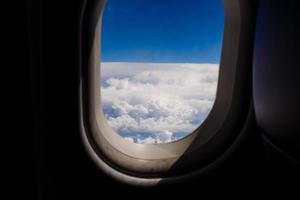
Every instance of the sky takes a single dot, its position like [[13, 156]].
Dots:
[[159, 66], [162, 31]]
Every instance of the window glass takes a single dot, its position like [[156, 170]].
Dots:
[[159, 66]]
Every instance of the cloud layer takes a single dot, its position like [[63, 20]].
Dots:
[[157, 103]]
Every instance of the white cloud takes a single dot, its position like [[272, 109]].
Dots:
[[157, 103]]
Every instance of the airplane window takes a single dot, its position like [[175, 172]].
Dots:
[[164, 85], [159, 66]]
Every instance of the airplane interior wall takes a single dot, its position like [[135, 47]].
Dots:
[[63, 170]]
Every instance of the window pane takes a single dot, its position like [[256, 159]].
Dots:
[[159, 66]]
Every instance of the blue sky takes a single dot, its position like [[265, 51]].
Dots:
[[162, 31]]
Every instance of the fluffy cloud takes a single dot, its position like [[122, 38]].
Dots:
[[157, 103]]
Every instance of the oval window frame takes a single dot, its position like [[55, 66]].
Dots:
[[148, 164]]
